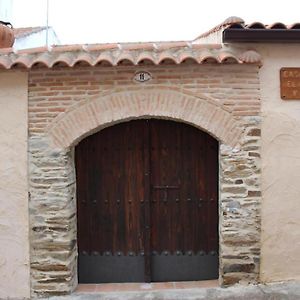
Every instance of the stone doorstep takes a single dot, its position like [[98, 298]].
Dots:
[[275, 291], [139, 287]]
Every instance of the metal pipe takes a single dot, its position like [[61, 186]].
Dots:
[[47, 24]]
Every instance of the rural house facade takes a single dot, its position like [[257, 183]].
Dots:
[[177, 160]]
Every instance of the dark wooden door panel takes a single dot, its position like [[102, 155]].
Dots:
[[147, 197], [111, 190], [166, 186], [184, 187]]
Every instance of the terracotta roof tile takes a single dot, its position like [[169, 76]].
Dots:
[[145, 56], [6, 51], [229, 21], [83, 58], [277, 25], [68, 48], [137, 46], [227, 57], [166, 56], [206, 46], [65, 58], [259, 25], [22, 61], [254, 25], [5, 61], [42, 59], [124, 54], [105, 57], [124, 57], [206, 54], [34, 50], [294, 26], [250, 57], [170, 45], [186, 55], [102, 47]]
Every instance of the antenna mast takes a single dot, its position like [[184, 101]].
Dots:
[[47, 24]]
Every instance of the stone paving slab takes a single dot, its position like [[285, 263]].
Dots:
[[278, 291]]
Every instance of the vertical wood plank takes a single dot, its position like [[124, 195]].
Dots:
[[147, 143]]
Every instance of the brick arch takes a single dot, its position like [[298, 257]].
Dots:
[[99, 112]]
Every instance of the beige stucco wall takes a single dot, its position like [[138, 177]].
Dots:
[[280, 258], [14, 242]]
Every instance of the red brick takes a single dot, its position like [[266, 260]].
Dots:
[[56, 109], [54, 91]]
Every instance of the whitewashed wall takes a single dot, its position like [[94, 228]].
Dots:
[[14, 241], [280, 253]]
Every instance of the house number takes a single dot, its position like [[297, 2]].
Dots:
[[142, 76]]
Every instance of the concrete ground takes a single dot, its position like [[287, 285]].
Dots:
[[275, 291]]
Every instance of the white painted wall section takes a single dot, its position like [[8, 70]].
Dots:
[[280, 258], [14, 240]]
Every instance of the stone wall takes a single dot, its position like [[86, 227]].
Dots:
[[222, 100], [52, 219], [240, 197]]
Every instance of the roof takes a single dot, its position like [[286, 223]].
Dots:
[[260, 33], [125, 54], [234, 29], [259, 25], [25, 31]]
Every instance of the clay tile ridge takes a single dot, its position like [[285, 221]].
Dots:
[[228, 22], [120, 54]]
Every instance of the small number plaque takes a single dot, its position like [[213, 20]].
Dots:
[[290, 83], [142, 76]]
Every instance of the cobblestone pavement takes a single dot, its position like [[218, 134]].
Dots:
[[278, 291]]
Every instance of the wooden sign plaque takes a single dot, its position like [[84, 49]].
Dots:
[[290, 83]]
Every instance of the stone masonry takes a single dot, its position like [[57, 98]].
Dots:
[[68, 104]]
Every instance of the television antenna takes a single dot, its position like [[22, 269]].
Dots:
[[47, 24]]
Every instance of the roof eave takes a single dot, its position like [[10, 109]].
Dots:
[[241, 35]]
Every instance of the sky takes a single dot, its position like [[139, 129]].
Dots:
[[105, 21]]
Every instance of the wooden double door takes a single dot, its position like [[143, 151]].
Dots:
[[147, 203]]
